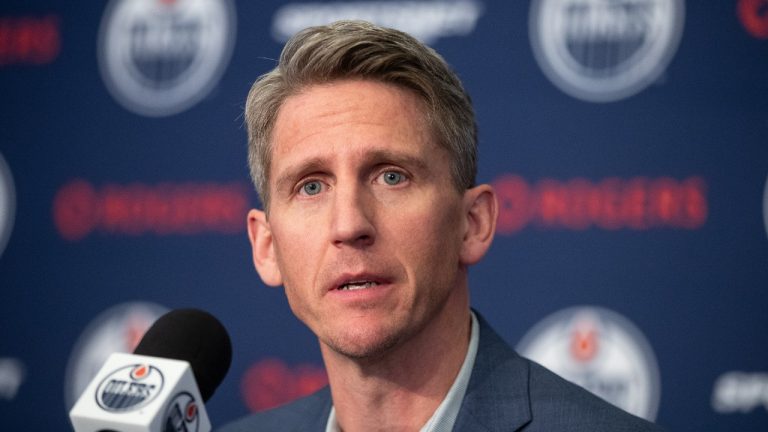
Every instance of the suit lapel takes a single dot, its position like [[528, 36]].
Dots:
[[497, 394]]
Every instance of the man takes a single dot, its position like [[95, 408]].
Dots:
[[362, 146]]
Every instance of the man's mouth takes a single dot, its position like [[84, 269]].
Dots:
[[357, 285]]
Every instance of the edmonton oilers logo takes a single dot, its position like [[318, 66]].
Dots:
[[129, 388], [182, 413], [604, 50], [161, 57], [601, 351]]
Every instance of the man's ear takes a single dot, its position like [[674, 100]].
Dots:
[[263, 247], [480, 210]]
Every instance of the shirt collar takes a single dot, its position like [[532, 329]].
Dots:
[[444, 417]]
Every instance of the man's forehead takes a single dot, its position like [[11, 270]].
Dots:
[[361, 100], [328, 118]]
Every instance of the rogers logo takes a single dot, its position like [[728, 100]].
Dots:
[[270, 382], [638, 203], [80, 208], [753, 15], [29, 40]]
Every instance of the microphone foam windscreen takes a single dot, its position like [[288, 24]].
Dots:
[[194, 336]]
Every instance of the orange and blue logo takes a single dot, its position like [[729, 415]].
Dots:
[[129, 388]]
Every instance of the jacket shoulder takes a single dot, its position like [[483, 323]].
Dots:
[[510, 392], [557, 404], [305, 414]]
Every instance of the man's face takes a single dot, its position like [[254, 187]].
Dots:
[[365, 225]]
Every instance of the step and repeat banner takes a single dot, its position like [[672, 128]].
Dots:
[[627, 140]]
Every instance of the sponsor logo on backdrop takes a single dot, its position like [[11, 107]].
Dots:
[[604, 50], [601, 351], [425, 20], [12, 374], [80, 208], [638, 203], [129, 388], [740, 392], [753, 15], [182, 414], [118, 329], [7, 203], [271, 382], [29, 40], [159, 58]]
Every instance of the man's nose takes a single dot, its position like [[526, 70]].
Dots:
[[352, 217]]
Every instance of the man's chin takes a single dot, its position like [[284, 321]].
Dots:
[[363, 347]]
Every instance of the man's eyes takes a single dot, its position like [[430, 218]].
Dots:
[[389, 177]]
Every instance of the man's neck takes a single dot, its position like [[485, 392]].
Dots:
[[401, 389]]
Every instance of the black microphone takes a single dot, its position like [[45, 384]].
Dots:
[[196, 337], [177, 365]]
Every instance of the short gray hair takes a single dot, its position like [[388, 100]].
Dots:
[[361, 50]]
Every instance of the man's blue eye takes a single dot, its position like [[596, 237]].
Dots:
[[312, 188], [392, 178]]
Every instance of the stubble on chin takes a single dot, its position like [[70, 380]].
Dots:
[[363, 344]]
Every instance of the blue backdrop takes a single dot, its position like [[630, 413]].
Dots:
[[627, 140]]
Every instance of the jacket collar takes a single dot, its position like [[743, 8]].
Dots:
[[497, 394]]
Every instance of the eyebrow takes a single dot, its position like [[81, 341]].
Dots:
[[384, 156], [372, 158], [286, 180]]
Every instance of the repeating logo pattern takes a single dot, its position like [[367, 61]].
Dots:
[[601, 351], [159, 58], [604, 50]]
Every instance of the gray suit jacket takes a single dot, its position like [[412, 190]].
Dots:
[[506, 392]]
